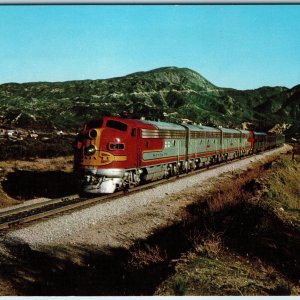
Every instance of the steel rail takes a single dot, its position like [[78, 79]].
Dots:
[[85, 202], [54, 211], [17, 210]]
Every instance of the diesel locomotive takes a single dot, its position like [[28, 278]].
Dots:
[[114, 153]]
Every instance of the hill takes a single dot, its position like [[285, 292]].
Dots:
[[168, 93]]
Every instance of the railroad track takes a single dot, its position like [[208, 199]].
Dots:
[[16, 217], [22, 215]]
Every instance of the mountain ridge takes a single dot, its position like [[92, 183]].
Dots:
[[167, 93]]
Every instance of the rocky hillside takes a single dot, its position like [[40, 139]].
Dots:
[[167, 94]]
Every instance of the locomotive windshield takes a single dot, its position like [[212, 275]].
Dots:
[[116, 125], [97, 123]]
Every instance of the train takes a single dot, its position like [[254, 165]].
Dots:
[[114, 153]]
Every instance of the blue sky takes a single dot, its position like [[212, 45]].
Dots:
[[238, 46]]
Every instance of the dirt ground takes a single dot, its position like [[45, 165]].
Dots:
[[133, 246], [36, 166]]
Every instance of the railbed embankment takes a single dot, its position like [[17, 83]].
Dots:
[[119, 223]]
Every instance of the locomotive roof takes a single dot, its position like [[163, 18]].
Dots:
[[131, 122], [173, 126], [165, 125], [201, 128], [229, 130], [243, 131]]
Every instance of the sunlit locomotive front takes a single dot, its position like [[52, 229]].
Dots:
[[106, 155]]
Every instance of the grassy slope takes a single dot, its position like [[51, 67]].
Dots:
[[283, 190], [213, 268]]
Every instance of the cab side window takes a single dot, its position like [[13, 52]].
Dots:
[[133, 132]]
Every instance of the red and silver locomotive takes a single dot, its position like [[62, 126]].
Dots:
[[115, 153]]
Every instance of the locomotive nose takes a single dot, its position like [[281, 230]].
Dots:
[[91, 146], [93, 154]]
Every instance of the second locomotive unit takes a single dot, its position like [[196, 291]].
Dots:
[[115, 153]]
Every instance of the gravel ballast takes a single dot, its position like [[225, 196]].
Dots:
[[130, 217]]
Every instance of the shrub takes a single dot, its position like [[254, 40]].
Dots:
[[179, 286]]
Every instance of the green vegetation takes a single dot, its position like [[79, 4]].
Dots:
[[167, 94], [283, 189], [224, 274], [252, 245], [180, 285]]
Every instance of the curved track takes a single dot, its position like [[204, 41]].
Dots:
[[16, 217]]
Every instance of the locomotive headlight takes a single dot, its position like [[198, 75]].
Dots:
[[92, 134], [90, 150]]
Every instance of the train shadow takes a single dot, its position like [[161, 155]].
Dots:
[[63, 270], [26, 185], [84, 270]]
